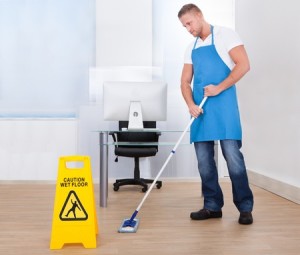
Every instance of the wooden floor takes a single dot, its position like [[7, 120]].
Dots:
[[165, 226]]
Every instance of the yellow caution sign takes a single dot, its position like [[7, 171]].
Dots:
[[74, 215]]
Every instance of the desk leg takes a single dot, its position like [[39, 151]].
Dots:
[[103, 136]]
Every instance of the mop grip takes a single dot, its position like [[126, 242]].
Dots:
[[202, 102]]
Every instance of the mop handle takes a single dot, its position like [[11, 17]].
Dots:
[[168, 159]]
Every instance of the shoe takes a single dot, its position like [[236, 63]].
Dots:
[[246, 218], [204, 214]]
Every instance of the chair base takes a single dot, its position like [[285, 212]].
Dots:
[[141, 182]]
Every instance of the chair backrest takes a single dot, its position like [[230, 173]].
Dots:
[[147, 124], [138, 136]]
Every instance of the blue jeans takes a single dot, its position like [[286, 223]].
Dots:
[[213, 196]]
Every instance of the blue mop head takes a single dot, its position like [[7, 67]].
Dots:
[[129, 226]]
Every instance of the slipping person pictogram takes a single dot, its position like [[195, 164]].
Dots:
[[73, 209], [74, 206]]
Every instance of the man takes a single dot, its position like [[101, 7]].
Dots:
[[215, 61]]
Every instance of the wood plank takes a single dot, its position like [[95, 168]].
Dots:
[[165, 226]]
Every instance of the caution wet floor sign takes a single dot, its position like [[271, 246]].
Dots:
[[74, 215]]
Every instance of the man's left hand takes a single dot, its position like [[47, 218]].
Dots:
[[211, 90]]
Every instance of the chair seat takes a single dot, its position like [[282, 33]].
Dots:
[[135, 152]]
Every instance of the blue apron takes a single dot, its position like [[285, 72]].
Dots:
[[221, 119]]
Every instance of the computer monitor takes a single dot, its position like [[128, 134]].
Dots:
[[135, 102]]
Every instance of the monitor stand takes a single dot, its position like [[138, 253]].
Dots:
[[135, 116]]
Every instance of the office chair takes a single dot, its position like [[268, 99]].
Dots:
[[136, 152]]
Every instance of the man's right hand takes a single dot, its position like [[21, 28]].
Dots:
[[195, 111]]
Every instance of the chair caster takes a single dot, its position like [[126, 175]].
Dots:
[[158, 185], [116, 188], [144, 189]]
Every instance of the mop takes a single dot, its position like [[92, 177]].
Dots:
[[131, 225]]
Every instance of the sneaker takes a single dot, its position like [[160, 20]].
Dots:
[[204, 214], [246, 218]]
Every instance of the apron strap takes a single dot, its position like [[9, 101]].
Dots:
[[195, 43], [212, 35]]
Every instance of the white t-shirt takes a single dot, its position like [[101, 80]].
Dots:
[[225, 39]]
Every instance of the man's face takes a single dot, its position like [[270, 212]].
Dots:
[[192, 22]]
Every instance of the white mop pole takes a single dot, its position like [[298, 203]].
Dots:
[[166, 162]]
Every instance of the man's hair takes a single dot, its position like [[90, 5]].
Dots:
[[188, 8]]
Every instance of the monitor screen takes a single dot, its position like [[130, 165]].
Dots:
[[144, 101]]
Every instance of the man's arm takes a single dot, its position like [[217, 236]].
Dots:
[[186, 90], [242, 66]]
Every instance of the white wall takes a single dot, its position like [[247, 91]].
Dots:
[[124, 33], [30, 148], [269, 94]]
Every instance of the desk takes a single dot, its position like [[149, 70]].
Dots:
[[104, 144]]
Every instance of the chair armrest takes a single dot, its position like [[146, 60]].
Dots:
[[113, 134]]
